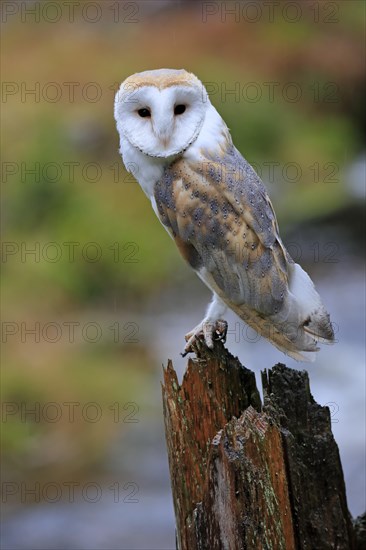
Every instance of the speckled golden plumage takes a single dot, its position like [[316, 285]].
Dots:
[[222, 220]]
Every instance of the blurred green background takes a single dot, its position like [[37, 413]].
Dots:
[[104, 275]]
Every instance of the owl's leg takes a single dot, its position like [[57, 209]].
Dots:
[[211, 328]]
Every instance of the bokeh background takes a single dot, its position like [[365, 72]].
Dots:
[[95, 296]]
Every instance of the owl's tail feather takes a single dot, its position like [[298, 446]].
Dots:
[[304, 320], [300, 324]]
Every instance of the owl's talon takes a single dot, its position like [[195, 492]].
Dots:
[[221, 330], [207, 332]]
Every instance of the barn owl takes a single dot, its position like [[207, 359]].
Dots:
[[216, 209]]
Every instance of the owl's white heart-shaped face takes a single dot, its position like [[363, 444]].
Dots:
[[161, 112]]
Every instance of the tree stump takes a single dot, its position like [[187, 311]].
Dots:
[[247, 476]]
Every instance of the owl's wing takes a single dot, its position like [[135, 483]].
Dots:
[[223, 223]]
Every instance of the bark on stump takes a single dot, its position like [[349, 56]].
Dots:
[[247, 476]]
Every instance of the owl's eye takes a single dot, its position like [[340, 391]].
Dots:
[[144, 112], [179, 109]]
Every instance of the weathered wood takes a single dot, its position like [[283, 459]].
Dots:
[[360, 532], [314, 470], [246, 502], [244, 477], [194, 413]]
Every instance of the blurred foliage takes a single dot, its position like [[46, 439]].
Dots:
[[137, 258], [61, 410]]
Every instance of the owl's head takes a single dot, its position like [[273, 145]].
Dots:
[[161, 112]]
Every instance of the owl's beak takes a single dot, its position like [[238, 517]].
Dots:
[[164, 138], [163, 133]]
